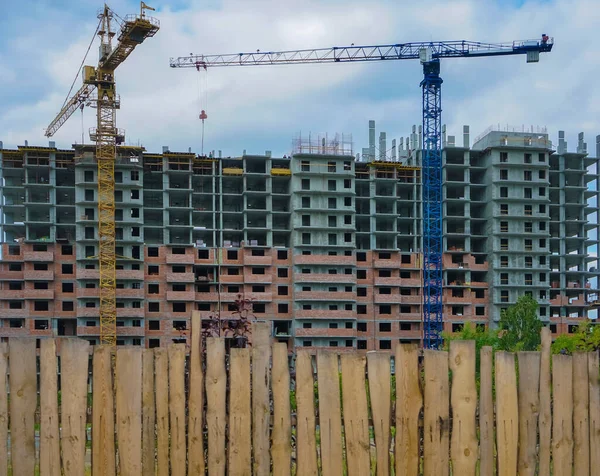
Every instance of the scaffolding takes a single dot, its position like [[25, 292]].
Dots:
[[523, 129], [202, 165], [153, 162], [179, 161], [12, 159], [322, 144], [64, 159]]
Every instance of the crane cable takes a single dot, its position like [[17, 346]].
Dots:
[[82, 133], [202, 102], [82, 61]]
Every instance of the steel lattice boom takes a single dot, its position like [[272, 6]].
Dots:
[[429, 54], [346, 54], [101, 80]]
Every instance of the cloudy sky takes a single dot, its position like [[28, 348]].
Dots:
[[42, 43]]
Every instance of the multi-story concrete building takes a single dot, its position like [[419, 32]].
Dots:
[[325, 246]]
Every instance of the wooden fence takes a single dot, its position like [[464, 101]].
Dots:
[[153, 411]]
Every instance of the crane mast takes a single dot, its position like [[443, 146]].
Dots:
[[101, 80], [431, 177], [429, 54], [106, 151]]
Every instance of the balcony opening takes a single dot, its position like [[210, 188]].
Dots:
[[41, 324], [41, 306], [153, 343], [67, 327], [385, 344], [16, 323]]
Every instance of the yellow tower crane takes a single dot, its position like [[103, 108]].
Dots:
[[99, 91]]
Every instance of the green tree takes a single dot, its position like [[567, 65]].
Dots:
[[520, 326], [586, 339]]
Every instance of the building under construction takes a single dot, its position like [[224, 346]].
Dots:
[[326, 247]]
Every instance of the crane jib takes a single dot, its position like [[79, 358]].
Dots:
[[342, 54]]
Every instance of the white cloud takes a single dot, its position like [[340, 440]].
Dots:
[[264, 107]]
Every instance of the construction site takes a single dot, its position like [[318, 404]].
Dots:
[[327, 247], [333, 248], [424, 304]]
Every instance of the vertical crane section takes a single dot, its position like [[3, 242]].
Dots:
[[106, 151], [134, 30], [432, 203]]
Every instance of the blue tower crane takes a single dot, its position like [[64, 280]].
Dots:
[[429, 54]]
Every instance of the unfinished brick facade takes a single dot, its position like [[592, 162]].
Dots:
[[325, 247]]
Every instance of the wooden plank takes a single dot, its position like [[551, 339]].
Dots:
[[356, 414], [148, 414], [464, 407], [196, 401], [486, 413], [177, 409], [330, 413], [49, 424], [379, 371], [161, 377], [529, 400], [3, 409], [261, 408], [128, 383], [436, 415], [216, 397], [409, 402], [23, 403], [545, 418], [103, 417], [562, 423], [281, 446], [594, 396], [507, 414], [581, 413], [240, 418], [306, 443], [74, 361]]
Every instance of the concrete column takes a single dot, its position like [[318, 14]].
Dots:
[[466, 138], [562, 144], [394, 157], [581, 145], [382, 146], [371, 140]]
